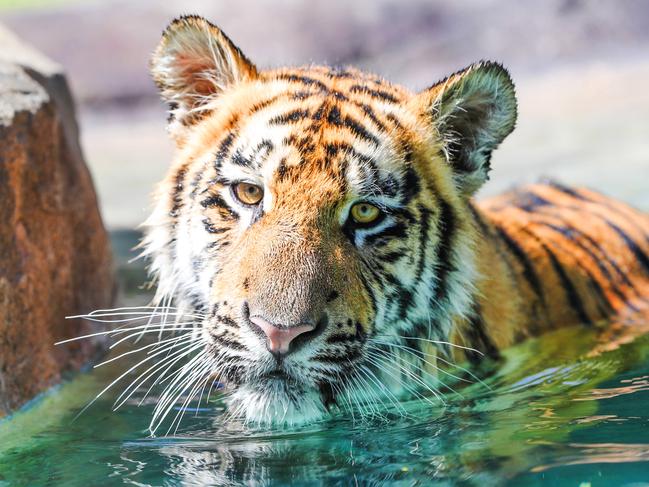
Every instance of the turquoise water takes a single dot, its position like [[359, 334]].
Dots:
[[554, 413]]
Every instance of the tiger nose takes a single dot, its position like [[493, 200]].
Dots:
[[278, 339]]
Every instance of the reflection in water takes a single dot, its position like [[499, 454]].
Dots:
[[554, 413], [634, 385], [599, 453]]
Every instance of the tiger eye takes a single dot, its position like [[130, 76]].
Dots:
[[247, 193], [364, 213]]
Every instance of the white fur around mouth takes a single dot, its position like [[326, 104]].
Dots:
[[276, 403]]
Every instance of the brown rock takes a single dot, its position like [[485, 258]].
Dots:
[[55, 257]]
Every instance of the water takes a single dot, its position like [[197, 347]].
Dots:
[[555, 413]]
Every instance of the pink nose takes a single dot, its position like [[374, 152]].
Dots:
[[279, 339]]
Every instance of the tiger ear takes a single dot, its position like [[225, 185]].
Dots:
[[472, 112], [194, 62]]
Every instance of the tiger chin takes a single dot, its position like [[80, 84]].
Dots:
[[320, 221]]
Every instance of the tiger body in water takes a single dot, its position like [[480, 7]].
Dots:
[[320, 221]]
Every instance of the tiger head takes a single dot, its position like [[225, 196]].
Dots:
[[316, 217]]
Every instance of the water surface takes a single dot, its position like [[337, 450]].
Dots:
[[568, 409]]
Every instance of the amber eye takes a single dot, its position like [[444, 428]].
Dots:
[[247, 193], [365, 213]]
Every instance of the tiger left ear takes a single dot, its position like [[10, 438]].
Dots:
[[472, 112], [194, 62]]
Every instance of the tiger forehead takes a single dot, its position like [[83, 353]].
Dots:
[[293, 124]]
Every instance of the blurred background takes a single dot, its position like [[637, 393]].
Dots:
[[581, 68]]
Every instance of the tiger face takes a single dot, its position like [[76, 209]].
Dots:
[[316, 216]]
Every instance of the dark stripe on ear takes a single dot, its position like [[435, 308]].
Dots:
[[528, 270], [568, 287], [378, 94]]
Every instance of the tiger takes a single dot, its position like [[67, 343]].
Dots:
[[320, 221]]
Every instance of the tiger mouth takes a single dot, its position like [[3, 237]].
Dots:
[[276, 374]]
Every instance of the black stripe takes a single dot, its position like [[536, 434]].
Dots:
[[569, 191], [369, 290], [263, 104], [238, 159], [410, 186], [477, 217], [569, 232], [305, 80], [339, 72], [424, 225], [335, 118], [210, 228], [225, 338], [216, 201], [335, 148], [479, 339], [392, 256], [224, 149], [446, 227], [367, 110], [607, 203], [359, 130], [530, 201], [177, 198], [568, 287], [226, 320], [632, 245], [379, 94], [621, 274], [334, 359], [594, 285], [290, 117], [528, 270], [398, 230], [339, 338]]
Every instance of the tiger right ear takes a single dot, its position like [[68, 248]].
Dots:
[[471, 111], [194, 62]]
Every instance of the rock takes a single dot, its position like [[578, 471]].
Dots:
[[55, 256]]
